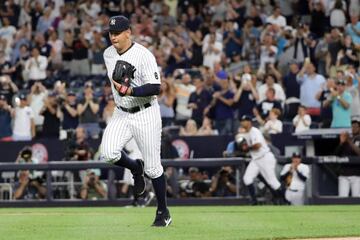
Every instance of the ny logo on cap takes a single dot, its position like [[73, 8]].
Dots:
[[112, 21]]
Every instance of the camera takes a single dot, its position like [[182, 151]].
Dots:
[[26, 154]]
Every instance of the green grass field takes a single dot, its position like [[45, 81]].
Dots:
[[270, 222]]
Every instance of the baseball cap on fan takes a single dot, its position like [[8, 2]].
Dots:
[[118, 24]]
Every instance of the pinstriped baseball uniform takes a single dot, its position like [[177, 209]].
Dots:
[[144, 125], [262, 160]]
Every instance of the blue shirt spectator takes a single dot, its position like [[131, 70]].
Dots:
[[353, 29], [311, 83], [340, 103]]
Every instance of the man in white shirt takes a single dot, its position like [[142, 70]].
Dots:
[[295, 175], [24, 125], [276, 18], [183, 92], [36, 66]]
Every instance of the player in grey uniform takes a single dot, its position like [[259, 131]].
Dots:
[[137, 115], [262, 161]]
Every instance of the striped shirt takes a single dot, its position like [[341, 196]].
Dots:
[[147, 71]]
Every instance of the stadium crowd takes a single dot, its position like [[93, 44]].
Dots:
[[291, 65]]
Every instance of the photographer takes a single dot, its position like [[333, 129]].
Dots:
[[92, 187], [78, 148], [223, 183], [30, 182], [51, 113]]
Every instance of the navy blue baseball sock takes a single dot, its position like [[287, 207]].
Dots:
[[251, 189], [127, 162], [159, 185]]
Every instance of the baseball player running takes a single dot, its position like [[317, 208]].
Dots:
[[262, 160], [135, 82]]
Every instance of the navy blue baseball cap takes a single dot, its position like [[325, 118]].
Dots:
[[246, 118], [118, 24]]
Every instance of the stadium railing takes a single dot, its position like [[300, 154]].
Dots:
[[318, 164]]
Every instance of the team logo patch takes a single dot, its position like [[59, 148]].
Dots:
[[112, 21], [156, 75], [182, 148]]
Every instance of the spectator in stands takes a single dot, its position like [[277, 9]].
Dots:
[[294, 175], [318, 18], [221, 105], [35, 67], [24, 125], [190, 128], [78, 148], [45, 21], [7, 34], [24, 55], [97, 48], [6, 68], [353, 29], [270, 82], [67, 50], [199, 100], [37, 96], [109, 109], [292, 91], [335, 45], [338, 14], [223, 183], [80, 62], [347, 55], [246, 96], [321, 53], [196, 48], [56, 49], [301, 121], [340, 101], [232, 40], [7, 88], [92, 188], [166, 101], [212, 51], [322, 96], [268, 53], [261, 112], [12, 11], [273, 125], [310, 84], [349, 175], [51, 113], [69, 114], [183, 91], [6, 113], [276, 18], [88, 112], [354, 91], [193, 21], [251, 51], [206, 129]]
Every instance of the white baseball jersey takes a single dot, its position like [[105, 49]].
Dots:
[[296, 182], [147, 71], [263, 161], [255, 136], [145, 125]]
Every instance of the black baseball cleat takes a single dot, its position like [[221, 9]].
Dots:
[[139, 179], [162, 219]]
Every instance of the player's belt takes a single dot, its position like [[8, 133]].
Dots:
[[135, 109]]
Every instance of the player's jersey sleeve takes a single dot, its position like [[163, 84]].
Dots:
[[150, 73], [285, 169], [304, 170]]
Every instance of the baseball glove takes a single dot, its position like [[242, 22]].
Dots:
[[123, 74]]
